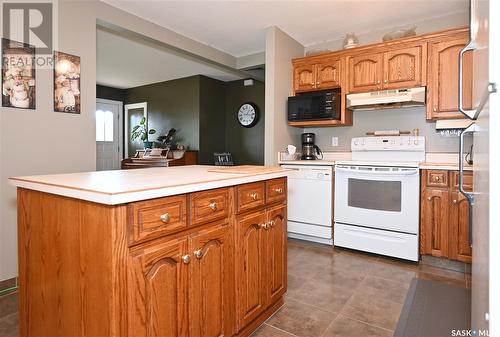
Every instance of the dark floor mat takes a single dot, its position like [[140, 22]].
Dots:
[[434, 309]]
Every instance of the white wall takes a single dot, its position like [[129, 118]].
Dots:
[[375, 36], [42, 141], [280, 50]]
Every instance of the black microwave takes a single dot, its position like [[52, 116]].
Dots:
[[312, 106]]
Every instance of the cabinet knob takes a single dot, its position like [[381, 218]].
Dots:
[[165, 218], [455, 201], [378, 82], [271, 223], [213, 205], [429, 198], [186, 259], [317, 83], [198, 253], [385, 81], [437, 178], [254, 196], [435, 109], [264, 226], [278, 190]]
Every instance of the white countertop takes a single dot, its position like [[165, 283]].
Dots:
[[433, 161], [122, 186]]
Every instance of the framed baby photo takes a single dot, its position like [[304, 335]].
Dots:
[[66, 83], [18, 75]]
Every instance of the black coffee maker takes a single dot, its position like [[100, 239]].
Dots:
[[310, 151]]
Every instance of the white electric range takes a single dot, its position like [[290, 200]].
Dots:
[[377, 196]]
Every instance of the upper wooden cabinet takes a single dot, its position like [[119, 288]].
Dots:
[[317, 76], [442, 84], [394, 69], [365, 72], [404, 68], [427, 60]]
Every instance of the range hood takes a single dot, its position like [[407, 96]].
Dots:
[[387, 99]]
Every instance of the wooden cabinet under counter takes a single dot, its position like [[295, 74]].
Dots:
[[178, 265], [444, 216]]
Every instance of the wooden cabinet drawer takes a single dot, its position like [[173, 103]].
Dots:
[[250, 196], [437, 178], [154, 218], [276, 190], [209, 205], [468, 180]]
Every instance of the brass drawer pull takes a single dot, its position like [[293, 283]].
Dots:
[[213, 205], [264, 226], [455, 201], [198, 253], [271, 223], [278, 190], [165, 218], [254, 196], [437, 179], [186, 259], [429, 198]]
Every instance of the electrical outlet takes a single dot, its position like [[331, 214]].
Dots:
[[335, 141]]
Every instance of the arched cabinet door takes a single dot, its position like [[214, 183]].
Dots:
[[211, 287], [365, 73], [434, 222], [460, 248], [403, 68], [276, 244], [304, 77], [250, 266], [442, 86], [157, 290], [328, 74]]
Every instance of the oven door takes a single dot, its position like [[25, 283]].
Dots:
[[378, 197]]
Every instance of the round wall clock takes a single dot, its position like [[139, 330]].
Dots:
[[248, 115]]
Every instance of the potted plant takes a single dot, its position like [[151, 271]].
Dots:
[[140, 131]]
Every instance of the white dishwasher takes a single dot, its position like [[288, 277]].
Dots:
[[310, 203]]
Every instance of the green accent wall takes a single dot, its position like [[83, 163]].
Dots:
[[203, 111], [171, 104], [246, 144]]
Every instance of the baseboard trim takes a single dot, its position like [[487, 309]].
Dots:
[[8, 286], [256, 323]]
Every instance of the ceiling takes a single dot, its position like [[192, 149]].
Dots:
[[123, 63], [238, 27]]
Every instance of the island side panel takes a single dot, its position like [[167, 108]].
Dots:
[[71, 266]]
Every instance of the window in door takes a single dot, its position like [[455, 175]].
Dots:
[[104, 126]]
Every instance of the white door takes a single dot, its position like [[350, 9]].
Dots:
[[109, 133]]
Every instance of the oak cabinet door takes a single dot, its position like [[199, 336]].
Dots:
[[435, 215], [276, 244], [460, 248], [250, 267], [403, 68], [304, 77], [442, 83], [211, 285], [365, 73], [328, 74], [157, 290]]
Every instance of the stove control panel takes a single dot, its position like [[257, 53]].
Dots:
[[389, 143]]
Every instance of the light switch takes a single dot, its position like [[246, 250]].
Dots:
[[335, 141]]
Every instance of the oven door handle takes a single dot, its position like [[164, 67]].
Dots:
[[406, 172]]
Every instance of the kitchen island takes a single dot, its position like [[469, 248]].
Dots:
[[181, 251]]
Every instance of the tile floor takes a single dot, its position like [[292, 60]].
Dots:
[[331, 293], [343, 293]]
